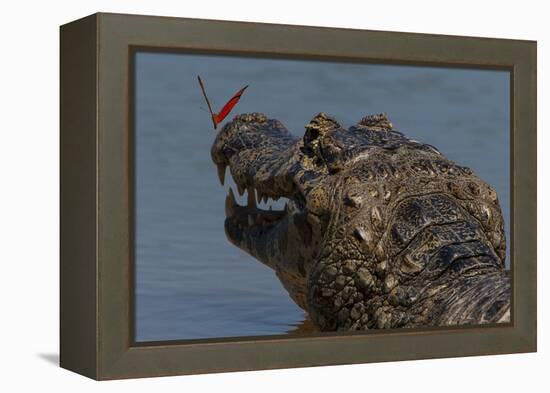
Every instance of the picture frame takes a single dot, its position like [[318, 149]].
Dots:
[[96, 171]]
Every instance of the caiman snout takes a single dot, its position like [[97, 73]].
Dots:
[[264, 162], [259, 153]]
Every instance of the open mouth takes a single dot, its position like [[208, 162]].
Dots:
[[263, 160], [262, 211], [257, 227]]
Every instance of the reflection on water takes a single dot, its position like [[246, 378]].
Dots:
[[303, 327], [191, 282]]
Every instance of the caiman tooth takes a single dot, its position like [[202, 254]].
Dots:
[[230, 203], [240, 189], [221, 173], [251, 197]]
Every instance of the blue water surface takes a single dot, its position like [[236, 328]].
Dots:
[[190, 281]]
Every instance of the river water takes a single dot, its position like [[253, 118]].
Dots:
[[190, 281]]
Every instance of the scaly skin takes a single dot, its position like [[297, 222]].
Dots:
[[380, 231]]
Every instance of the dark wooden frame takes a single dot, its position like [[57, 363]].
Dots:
[[97, 180]]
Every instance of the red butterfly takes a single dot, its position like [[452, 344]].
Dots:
[[217, 118]]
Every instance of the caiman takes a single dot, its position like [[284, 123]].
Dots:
[[379, 231]]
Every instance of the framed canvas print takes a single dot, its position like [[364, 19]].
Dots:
[[241, 196]]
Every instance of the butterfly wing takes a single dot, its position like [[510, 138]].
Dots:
[[218, 118]]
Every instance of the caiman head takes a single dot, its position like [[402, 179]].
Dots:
[[379, 231]]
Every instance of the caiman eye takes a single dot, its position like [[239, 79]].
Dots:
[[315, 133]]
